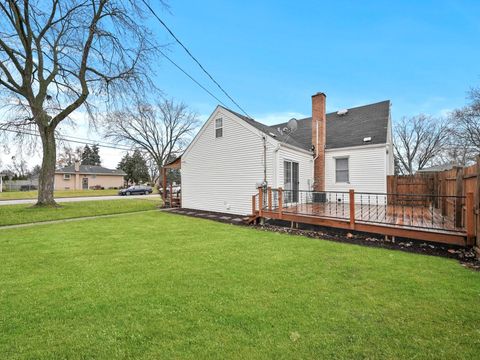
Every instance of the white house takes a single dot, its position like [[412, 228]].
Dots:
[[232, 154]]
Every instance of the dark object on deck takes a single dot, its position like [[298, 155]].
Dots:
[[319, 197]]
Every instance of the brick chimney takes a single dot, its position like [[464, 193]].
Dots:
[[77, 166], [319, 123]]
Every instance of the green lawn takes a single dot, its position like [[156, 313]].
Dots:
[[17, 195], [160, 286], [26, 213]]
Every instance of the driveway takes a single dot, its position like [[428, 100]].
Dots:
[[86, 198]]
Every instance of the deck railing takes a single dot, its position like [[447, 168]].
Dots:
[[449, 213]]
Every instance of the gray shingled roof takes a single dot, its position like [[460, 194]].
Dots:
[[90, 169], [342, 130], [438, 168]]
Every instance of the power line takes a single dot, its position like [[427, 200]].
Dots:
[[191, 78], [193, 57], [88, 142]]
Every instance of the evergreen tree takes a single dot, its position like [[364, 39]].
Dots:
[[90, 155], [135, 167], [86, 154], [95, 157]]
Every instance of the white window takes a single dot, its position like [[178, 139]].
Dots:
[[341, 170], [66, 176], [218, 128]]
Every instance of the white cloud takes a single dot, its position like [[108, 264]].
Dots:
[[444, 112], [78, 129]]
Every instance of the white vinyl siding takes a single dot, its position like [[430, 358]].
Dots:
[[221, 176], [366, 169]]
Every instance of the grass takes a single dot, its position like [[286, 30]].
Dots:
[[160, 286], [26, 213], [19, 195]]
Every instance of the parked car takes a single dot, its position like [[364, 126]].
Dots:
[[136, 190]]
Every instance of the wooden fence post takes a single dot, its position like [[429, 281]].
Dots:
[[352, 209], [269, 189], [443, 192], [477, 206], [280, 201], [254, 198], [458, 200], [435, 190], [469, 218]]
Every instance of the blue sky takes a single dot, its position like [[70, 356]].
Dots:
[[273, 55]]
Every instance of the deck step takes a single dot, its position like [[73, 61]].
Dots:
[[251, 218]]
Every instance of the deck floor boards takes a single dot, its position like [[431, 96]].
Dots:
[[405, 216]]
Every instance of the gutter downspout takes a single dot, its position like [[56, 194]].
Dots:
[[264, 138], [316, 145], [277, 164]]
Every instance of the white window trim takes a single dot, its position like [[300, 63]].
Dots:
[[218, 127], [348, 169], [67, 176]]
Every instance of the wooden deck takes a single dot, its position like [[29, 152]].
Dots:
[[406, 216], [401, 220]]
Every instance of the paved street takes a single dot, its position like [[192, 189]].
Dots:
[[86, 198]]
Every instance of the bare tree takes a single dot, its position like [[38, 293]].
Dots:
[[69, 155], [54, 55], [418, 142], [19, 167], [162, 130], [466, 127], [153, 170]]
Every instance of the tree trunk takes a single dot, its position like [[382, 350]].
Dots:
[[47, 173]]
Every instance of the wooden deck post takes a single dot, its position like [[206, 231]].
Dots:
[[254, 205], [469, 218], [458, 200], [280, 201], [164, 186], [269, 190], [171, 196], [352, 208], [260, 201]]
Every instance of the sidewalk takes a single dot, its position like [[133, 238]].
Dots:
[[75, 219]]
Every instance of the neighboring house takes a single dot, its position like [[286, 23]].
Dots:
[[232, 155], [438, 168], [84, 177]]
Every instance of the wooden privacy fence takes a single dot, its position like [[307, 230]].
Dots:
[[452, 193]]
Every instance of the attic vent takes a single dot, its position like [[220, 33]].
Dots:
[[367, 139], [342, 112]]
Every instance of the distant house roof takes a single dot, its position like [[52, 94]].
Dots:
[[368, 121], [438, 168], [90, 169]]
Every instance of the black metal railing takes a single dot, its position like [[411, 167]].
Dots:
[[439, 212]]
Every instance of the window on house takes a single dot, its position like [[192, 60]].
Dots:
[[341, 170], [66, 176], [218, 128]]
